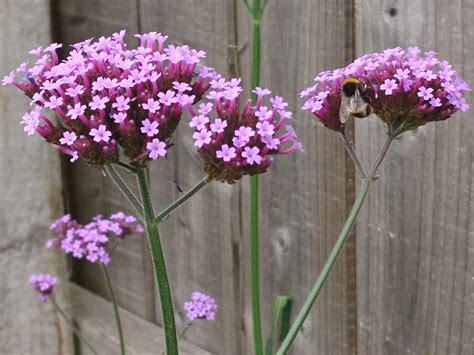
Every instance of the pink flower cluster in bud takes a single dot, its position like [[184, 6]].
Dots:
[[90, 241], [233, 141], [405, 88], [107, 95], [44, 284], [200, 306]]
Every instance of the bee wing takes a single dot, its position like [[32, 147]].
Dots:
[[344, 110], [357, 106], [356, 101]]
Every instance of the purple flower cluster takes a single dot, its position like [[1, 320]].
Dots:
[[405, 88], [44, 284], [107, 96], [90, 241], [233, 141], [200, 306]]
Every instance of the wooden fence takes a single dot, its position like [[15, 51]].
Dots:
[[405, 282]]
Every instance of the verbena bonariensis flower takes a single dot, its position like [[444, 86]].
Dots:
[[233, 142], [44, 284], [107, 96], [405, 88], [90, 241], [200, 306]]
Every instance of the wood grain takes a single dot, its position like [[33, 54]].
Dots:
[[415, 255], [30, 187], [94, 317], [89, 191], [415, 251], [305, 197], [201, 240]]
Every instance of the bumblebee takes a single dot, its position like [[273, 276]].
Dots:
[[352, 100]]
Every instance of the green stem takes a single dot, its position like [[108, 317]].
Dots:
[[114, 175], [114, 246], [256, 17], [181, 333], [159, 266], [380, 157], [353, 154], [341, 241], [163, 215], [115, 307], [186, 327], [73, 327], [247, 6], [125, 166], [255, 266], [254, 192]]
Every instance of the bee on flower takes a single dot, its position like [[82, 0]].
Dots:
[[404, 88]]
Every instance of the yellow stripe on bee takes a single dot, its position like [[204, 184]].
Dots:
[[354, 81]]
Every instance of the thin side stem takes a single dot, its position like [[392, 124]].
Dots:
[[254, 192], [126, 166], [353, 154], [159, 267], [186, 327], [247, 5], [114, 246], [341, 241], [380, 157], [115, 307], [265, 2], [73, 327], [124, 188], [163, 215]]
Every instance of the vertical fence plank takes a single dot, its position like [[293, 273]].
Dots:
[[415, 263], [91, 193], [305, 197], [201, 240], [30, 187], [415, 248]]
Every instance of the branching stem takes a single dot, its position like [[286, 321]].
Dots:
[[163, 215]]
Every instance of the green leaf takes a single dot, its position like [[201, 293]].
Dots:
[[281, 313]]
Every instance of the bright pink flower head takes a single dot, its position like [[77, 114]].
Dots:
[[405, 89], [236, 141], [91, 241], [107, 95], [200, 306], [44, 284]]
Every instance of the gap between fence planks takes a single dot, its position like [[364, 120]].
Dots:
[[414, 258], [88, 191], [202, 239], [31, 196]]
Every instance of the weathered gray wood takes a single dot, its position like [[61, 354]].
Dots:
[[95, 318], [415, 252], [305, 197], [89, 192], [415, 260], [30, 188], [201, 240]]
